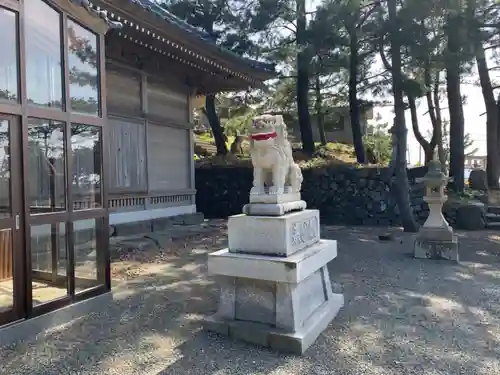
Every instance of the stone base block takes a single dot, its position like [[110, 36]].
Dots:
[[274, 198], [292, 269], [273, 235], [436, 234], [282, 303], [278, 209], [436, 249], [278, 339]]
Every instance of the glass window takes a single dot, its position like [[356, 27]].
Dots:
[[43, 54], [88, 255], [9, 84], [83, 62], [46, 166], [49, 259], [86, 151], [5, 206]]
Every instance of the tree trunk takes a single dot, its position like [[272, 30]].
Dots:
[[401, 184], [357, 136], [498, 121], [439, 125], [492, 158], [457, 156], [303, 80], [436, 132], [319, 112], [213, 120], [426, 146]]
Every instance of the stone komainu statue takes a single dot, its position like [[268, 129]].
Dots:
[[272, 159]]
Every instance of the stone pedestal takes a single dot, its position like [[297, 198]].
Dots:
[[283, 303], [436, 243], [274, 236], [274, 282], [275, 287], [427, 248]]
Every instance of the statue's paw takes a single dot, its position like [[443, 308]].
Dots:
[[275, 190], [256, 190]]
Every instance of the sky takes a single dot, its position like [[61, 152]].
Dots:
[[475, 124]]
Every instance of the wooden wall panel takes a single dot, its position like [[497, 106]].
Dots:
[[123, 91], [127, 155], [168, 102], [168, 158]]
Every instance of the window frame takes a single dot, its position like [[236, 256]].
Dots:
[[18, 56], [23, 110], [62, 49]]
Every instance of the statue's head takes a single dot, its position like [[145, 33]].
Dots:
[[267, 130]]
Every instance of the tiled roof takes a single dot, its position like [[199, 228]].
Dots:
[[159, 11], [98, 13]]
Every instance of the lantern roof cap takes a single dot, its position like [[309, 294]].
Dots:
[[434, 171]]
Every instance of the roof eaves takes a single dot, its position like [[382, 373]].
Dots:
[[98, 13], [203, 36]]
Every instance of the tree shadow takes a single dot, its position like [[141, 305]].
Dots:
[[401, 316], [149, 316]]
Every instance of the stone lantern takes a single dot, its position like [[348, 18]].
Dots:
[[435, 182], [435, 239]]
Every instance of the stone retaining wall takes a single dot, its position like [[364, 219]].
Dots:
[[344, 195]]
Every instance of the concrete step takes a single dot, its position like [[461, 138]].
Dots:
[[493, 225], [494, 210], [493, 218]]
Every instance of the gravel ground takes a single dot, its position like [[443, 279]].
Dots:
[[402, 316]]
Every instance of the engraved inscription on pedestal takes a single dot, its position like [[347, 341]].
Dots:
[[278, 235], [305, 231]]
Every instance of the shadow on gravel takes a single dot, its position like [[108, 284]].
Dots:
[[402, 316]]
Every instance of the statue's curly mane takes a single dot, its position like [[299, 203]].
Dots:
[[279, 126]]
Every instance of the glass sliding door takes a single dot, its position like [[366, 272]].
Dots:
[[11, 248], [53, 200], [47, 200]]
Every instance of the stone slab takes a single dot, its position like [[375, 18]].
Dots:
[[254, 301], [282, 305], [278, 209], [278, 339], [292, 269], [273, 235], [274, 198], [438, 250], [438, 234]]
